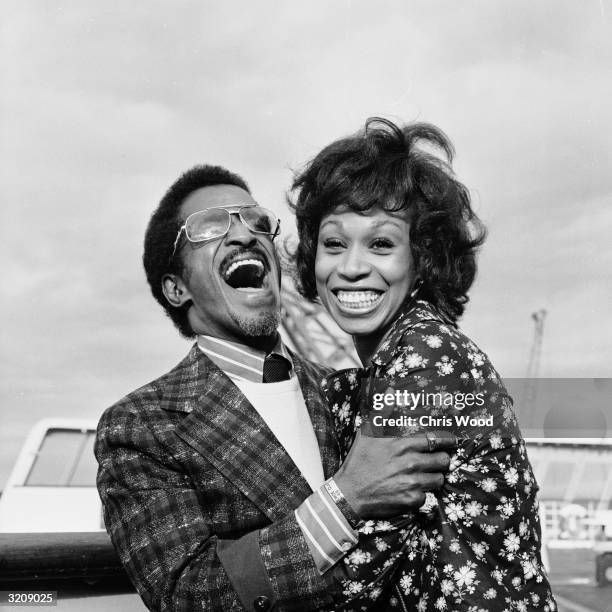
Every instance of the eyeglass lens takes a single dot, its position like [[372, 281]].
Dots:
[[207, 224], [259, 219]]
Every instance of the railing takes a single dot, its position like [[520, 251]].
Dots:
[[35, 557], [573, 525]]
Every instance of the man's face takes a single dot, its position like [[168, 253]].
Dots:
[[233, 282]]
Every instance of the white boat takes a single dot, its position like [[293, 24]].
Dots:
[[52, 487]]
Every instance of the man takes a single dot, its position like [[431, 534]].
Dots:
[[213, 477]]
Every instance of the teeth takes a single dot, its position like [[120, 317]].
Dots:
[[358, 299], [243, 262]]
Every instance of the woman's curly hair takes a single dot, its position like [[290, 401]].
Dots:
[[387, 166]]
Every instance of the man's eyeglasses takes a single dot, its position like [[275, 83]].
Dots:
[[215, 222]]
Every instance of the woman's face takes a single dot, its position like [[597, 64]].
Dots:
[[364, 268]]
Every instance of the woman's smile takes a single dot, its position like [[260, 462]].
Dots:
[[358, 301]]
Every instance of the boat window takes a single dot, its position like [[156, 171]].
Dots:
[[573, 473], [593, 485], [555, 482], [86, 465], [65, 458]]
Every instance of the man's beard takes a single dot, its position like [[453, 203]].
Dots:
[[263, 324]]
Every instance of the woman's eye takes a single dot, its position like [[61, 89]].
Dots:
[[382, 243], [332, 243]]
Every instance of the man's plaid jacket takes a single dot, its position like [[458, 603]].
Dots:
[[199, 495]]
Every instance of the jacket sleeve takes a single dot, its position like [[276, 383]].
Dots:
[[160, 524]]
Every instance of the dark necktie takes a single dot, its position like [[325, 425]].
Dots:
[[276, 368]]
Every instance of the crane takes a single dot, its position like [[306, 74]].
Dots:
[[533, 366]]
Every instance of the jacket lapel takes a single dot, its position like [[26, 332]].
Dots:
[[224, 427]]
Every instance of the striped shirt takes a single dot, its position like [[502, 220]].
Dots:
[[239, 361], [328, 534], [327, 531]]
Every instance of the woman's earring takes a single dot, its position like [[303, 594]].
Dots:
[[417, 287]]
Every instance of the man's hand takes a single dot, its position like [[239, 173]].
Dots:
[[386, 477]]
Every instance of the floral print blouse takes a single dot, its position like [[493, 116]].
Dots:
[[475, 545]]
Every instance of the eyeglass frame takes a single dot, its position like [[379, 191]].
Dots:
[[232, 209]]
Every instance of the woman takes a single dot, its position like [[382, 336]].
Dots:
[[387, 242]]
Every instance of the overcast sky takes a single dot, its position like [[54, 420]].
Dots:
[[103, 104]]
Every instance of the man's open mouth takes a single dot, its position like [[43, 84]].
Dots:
[[246, 272]]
